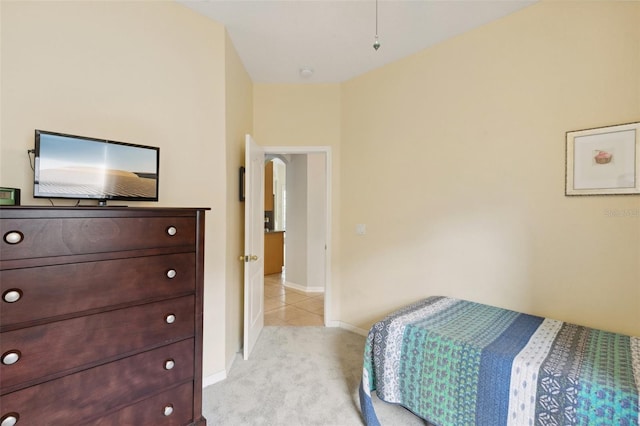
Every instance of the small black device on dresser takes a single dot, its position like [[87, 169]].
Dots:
[[9, 196]]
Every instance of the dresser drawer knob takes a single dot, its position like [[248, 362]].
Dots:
[[10, 357], [168, 410], [172, 230], [9, 419], [171, 273], [169, 364], [170, 319], [11, 296], [13, 237]]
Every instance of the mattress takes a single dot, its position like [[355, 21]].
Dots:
[[454, 362]]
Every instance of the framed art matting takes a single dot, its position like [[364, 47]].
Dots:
[[603, 161]]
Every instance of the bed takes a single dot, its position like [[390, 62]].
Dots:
[[454, 362]]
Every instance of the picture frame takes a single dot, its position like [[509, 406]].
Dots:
[[603, 160], [241, 173]]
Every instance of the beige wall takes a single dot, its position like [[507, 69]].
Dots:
[[142, 72], [297, 114], [454, 159]]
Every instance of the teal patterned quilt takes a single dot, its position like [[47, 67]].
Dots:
[[454, 363]]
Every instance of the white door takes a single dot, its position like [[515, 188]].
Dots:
[[253, 245]]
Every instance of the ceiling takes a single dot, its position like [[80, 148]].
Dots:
[[275, 39]]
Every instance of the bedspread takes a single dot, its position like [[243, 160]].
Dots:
[[454, 363]]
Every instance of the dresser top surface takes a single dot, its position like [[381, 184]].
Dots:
[[14, 212]]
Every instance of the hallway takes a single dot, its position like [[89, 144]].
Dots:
[[286, 306]]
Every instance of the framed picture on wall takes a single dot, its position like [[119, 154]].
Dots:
[[603, 161]]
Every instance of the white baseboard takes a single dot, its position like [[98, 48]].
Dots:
[[213, 378], [332, 324], [222, 375], [349, 327], [304, 288]]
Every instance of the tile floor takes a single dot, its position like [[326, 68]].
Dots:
[[286, 306]]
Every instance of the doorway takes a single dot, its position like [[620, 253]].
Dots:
[[298, 294]]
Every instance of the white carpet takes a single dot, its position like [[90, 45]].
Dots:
[[302, 376]]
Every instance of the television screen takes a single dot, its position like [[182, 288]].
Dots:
[[68, 166]]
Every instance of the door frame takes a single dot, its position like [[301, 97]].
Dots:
[[326, 150]]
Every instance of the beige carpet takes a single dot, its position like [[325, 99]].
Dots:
[[298, 376]]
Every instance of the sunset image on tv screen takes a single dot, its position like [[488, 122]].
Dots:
[[93, 169]]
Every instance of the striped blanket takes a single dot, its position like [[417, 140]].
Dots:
[[454, 362]]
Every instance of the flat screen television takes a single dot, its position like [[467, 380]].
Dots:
[[69, 166]]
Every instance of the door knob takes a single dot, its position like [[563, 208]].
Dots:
[[253, 257]]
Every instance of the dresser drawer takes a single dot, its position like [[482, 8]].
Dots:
[[170, 408], [108, 389], [66, 346], [49, 291], [33, 238]]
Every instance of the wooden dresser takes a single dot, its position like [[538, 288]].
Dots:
[[101, 316]]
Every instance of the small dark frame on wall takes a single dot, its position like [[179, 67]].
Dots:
[[603, 161], [241, 180]]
